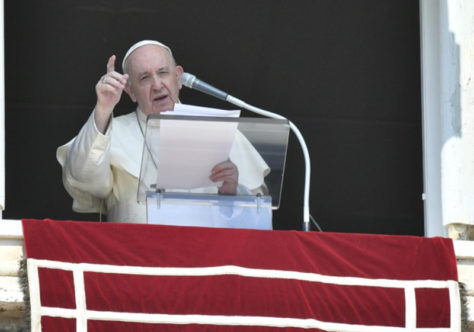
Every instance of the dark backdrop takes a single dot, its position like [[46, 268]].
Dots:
[[345, 72]]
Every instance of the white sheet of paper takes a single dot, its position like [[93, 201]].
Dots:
[[184, 109], [188, 150]]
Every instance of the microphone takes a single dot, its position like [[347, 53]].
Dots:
[[190, 81]]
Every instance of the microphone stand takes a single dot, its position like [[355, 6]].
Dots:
[[242, 104], [192, 82]]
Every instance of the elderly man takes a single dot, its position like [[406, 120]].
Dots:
[[102, 164]]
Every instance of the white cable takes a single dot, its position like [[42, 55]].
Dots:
[[242, 104]]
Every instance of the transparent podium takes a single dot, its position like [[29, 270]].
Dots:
[[178, 154]]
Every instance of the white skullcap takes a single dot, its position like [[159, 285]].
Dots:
[[140, 44]]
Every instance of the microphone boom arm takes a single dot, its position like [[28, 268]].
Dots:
[[299, 136], [192, 82]]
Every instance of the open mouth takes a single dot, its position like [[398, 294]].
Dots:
[[160, 98]]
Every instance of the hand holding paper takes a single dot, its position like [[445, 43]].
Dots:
[[228, 173]]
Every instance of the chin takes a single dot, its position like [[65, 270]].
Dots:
[[162, 108], [166, 108]]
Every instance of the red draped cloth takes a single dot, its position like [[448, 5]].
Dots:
[[86, 276]]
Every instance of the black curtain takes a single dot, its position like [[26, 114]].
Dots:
[[347, 73]]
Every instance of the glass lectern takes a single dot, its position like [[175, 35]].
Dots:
[[178, 154]]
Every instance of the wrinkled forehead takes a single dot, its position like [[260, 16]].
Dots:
[[141, 44]]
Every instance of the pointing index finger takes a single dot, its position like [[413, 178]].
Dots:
[[111, 64]]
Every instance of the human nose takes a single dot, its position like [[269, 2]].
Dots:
[[157, 82]]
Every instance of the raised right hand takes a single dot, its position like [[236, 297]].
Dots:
[[109, 90]]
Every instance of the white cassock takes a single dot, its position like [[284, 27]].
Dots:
[[101, 172]]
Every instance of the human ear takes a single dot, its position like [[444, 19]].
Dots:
[[179, 72]]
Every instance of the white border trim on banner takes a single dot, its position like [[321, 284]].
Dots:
[[82, 314]]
